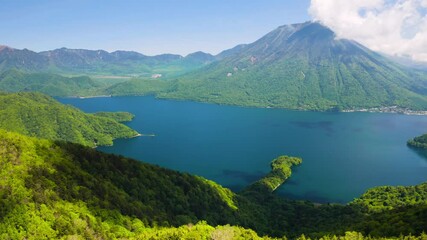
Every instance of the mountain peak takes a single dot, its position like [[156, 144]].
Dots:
[[295, 26], [311, 30], [200, 56], [198, 53], [4, 47]]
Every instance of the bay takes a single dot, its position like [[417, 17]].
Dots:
[[343, 154]]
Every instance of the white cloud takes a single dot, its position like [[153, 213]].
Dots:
[[395, 27]]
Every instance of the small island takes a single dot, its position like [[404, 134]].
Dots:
[[280, 172]]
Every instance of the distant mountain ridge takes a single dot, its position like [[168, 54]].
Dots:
[[64, 60], [21, 59]]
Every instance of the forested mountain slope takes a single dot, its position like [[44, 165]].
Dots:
[[50, 84], [41, 116], [60, 190], [299, 66]]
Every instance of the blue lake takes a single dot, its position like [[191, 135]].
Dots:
[[343, 154]]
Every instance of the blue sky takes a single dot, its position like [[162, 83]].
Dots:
[[147, 26]]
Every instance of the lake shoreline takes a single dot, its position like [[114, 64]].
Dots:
[[87, 97], [233, 145], [392, 109], [388, 109]]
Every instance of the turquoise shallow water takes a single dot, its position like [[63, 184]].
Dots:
[[343, 153]]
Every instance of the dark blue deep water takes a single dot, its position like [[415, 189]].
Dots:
[[343, 154]]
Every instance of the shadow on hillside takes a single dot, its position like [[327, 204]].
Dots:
[[156, 195]]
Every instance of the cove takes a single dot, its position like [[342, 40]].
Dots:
[[343, 154]]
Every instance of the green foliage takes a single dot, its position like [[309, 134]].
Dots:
[[359, 236], [38, 115], [201, 231], [225, 194], [280, 171], [60, 190], [117, 116], [50, 84], [419, 142], [388, 198], [139, 87]]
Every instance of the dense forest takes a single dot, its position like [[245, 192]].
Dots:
[[118, 116], [38, 115], [53, 190], [50, 84], [280, 172]]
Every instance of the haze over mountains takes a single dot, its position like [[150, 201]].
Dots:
[[298, 66]]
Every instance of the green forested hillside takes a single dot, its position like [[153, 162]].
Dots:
[[280, 172], [41, 116], [63, 191], [100, 62], [300, 66], [50, 84], [396, 197], [118, 116], [141, 87], [53, 190]]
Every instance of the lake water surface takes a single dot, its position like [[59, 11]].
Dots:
[[343, 153]]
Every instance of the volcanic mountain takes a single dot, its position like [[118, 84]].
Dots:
[[304, 66]]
